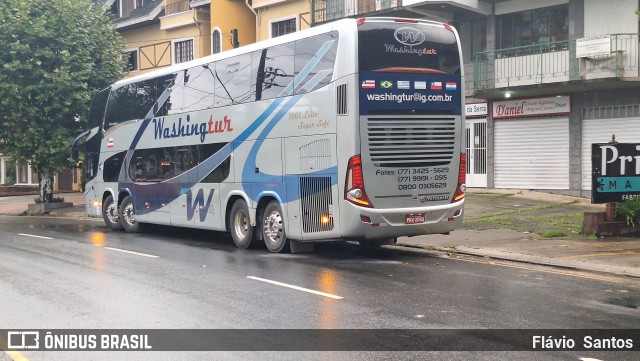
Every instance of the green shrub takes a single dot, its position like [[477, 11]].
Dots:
[[630, 211]]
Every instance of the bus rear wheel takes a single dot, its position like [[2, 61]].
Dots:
[[240, 225], [273, 230], [110, 214], [128, 217]]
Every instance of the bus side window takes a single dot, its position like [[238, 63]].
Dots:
[[144, 98], [174, 84], [272, 71], [112, 167], [307, 51], [234, 80], [120, 105], [199, 85]]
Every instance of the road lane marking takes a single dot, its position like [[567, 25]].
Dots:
[[132, 252], [33, 235], [324, 294], [16, 356]]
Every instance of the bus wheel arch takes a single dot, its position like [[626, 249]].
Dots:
[[111, 212]]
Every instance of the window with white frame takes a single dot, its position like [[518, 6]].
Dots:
[[183, 50], [12, 172], [131, 58], [284, 26], [216, 41]]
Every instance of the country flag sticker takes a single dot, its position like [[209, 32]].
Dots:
[[368, 84], [386, 84], [110, 143], [451, 86], [436, 85], [420, 85], [404, 84]]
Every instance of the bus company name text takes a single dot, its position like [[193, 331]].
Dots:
[[392, 48], [178, 129]]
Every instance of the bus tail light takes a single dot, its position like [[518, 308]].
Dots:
[[354, 191], [461, 187]]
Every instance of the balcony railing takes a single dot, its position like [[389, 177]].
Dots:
[[328, 10], [175, 8], [554, 62]]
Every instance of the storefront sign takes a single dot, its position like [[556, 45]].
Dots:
[[476, 109], [532, 107], [615, 172], [593, 46]]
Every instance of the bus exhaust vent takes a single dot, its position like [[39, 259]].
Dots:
[[316, 204], [315, 155], [411, 142], [342, 99]]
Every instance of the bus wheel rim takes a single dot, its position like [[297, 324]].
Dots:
[[128, 214], [241, 224], [273, 227], [112, 213]]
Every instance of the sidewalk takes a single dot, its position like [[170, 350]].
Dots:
[[500, 224]]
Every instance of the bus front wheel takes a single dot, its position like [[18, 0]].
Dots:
[[273, 231], [240, 225], [110, 214], [128, 217]]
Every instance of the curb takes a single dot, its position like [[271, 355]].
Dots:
[[537, 260]]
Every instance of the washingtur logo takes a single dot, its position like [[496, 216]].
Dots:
[[21, 340], [409, 36]]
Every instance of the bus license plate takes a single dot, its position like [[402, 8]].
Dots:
[[414, 218]]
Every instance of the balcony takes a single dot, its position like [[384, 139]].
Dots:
[[537, 66], [329, 10], [182, 13]]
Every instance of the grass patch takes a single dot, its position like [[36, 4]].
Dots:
[[484, 197], [516, 211], [555, 233]]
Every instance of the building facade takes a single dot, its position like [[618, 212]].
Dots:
[[544, 80]]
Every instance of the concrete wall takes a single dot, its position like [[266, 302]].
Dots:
[[620, 17], [269, 10], [233, 14], [522, 5]]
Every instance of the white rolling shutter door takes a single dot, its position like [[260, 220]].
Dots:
[[532, 153], [627, 130]]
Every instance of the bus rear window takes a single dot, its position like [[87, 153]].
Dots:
[[407, 47]]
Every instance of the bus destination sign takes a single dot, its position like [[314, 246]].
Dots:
[[615, 172]]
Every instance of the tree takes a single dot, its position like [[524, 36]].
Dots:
[[54, 56]]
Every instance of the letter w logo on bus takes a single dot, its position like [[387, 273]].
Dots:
[[198, 204]]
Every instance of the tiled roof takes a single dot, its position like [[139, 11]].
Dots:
[[149, 11]]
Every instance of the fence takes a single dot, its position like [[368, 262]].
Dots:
[[554, 62]]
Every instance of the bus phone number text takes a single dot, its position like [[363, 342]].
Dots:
[[418, 178]]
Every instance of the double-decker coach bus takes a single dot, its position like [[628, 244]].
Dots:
[[350, 130]]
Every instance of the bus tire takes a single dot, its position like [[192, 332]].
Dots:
[[273, 230], [240, 225], [111, 214], [128, 217]]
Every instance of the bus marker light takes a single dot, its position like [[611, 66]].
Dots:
[[325, 219], [365, 219]]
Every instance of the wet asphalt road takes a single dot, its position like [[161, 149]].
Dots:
[[78, 276]]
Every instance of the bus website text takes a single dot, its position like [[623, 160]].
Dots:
[[416, 97]]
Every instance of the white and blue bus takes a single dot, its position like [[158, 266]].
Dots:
[[350, 130]]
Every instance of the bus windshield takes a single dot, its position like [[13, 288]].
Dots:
[[407, 47]]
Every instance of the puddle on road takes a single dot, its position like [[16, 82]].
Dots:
[[624, 302]]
